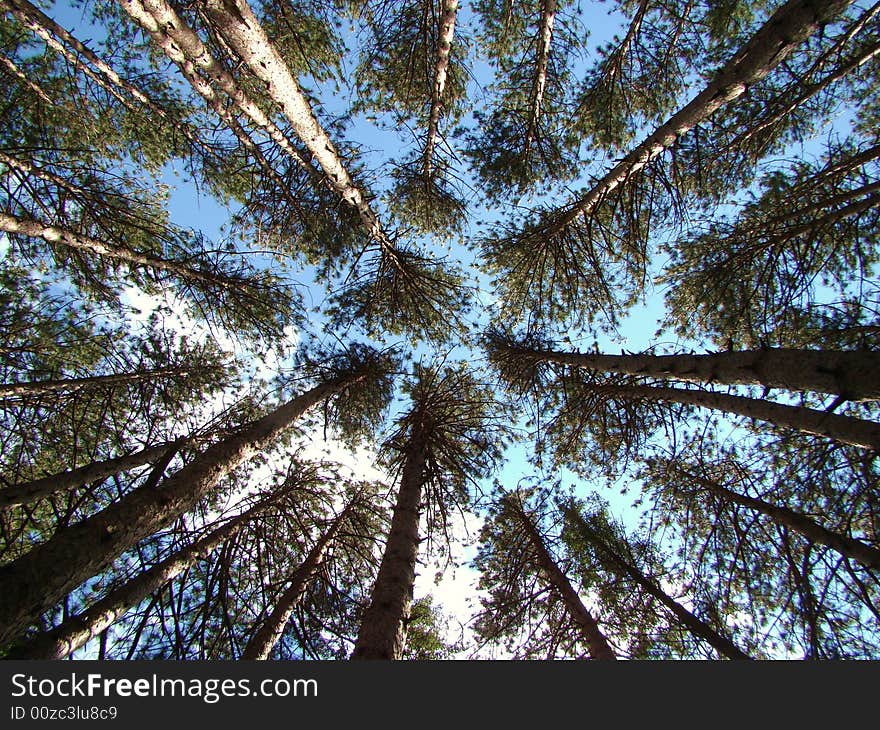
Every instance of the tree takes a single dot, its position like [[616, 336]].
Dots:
[[750, 280], [88, 547], [447, 439], [260, 645], [802, 595], [577, 251], [511, 191], [523, 141], [847, 374], [514, 556], [610, 549]]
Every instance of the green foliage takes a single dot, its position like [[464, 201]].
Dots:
[[756, 242], [427, 632], [395, 72], [523, 141], [756, 279]]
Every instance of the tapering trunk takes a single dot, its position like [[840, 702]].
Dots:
[[13, 68], [850, 374], [441, 68], [589, 627], [811, 90], [27, 492], [37, 388], [789, 26], [621, 51], [75, 631], [692, 623], [542, 60], [238, 25], [33, 583], [183, 46], [382, 632], [42, 25], [269, 632], [800, 523], [54, 234], [848, 430]]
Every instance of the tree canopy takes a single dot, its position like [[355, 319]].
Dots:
[[571, 305]]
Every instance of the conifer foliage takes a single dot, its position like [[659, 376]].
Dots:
[[573, 301]]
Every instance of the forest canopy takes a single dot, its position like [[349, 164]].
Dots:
[[317, 314]]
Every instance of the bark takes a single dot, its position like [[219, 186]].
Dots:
[[800, 523], [545, 38], [54, 234], [45, 27], [33, 583], [36, 388], [269, 632], [846, 429], [27, 492], [238, 25], [692, 623], [441, 68], [181, 44], [852, 375], [11, 66], [789, 26], [808, 93], [76, 631], [618, 55], [589, 627], [383, 627]]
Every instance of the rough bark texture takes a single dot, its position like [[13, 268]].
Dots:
[[43, 25], [692, 623], [36, 388], [238, 25], [589, 627], [382, 632], [13, 69], [545, 38], [798, 522], [441, 67], [33, 583], [845, 429], [75, 631], [789, 26], [181, 44], [53, 234], [26, 492], [269, 632], [854, 375]]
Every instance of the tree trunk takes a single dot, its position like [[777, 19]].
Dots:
[[441, 67], [789, 26], [810, 90], [36, 388], [33, 583], [852, 375], [545, 37], [846, 429], [800, 523], [269, 632], [383, 627], [589, 627], [12, 68], [45, 27], [53, 234], [238, 25], [27, 492], [75, 631], [181, 44], [692, 623]]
